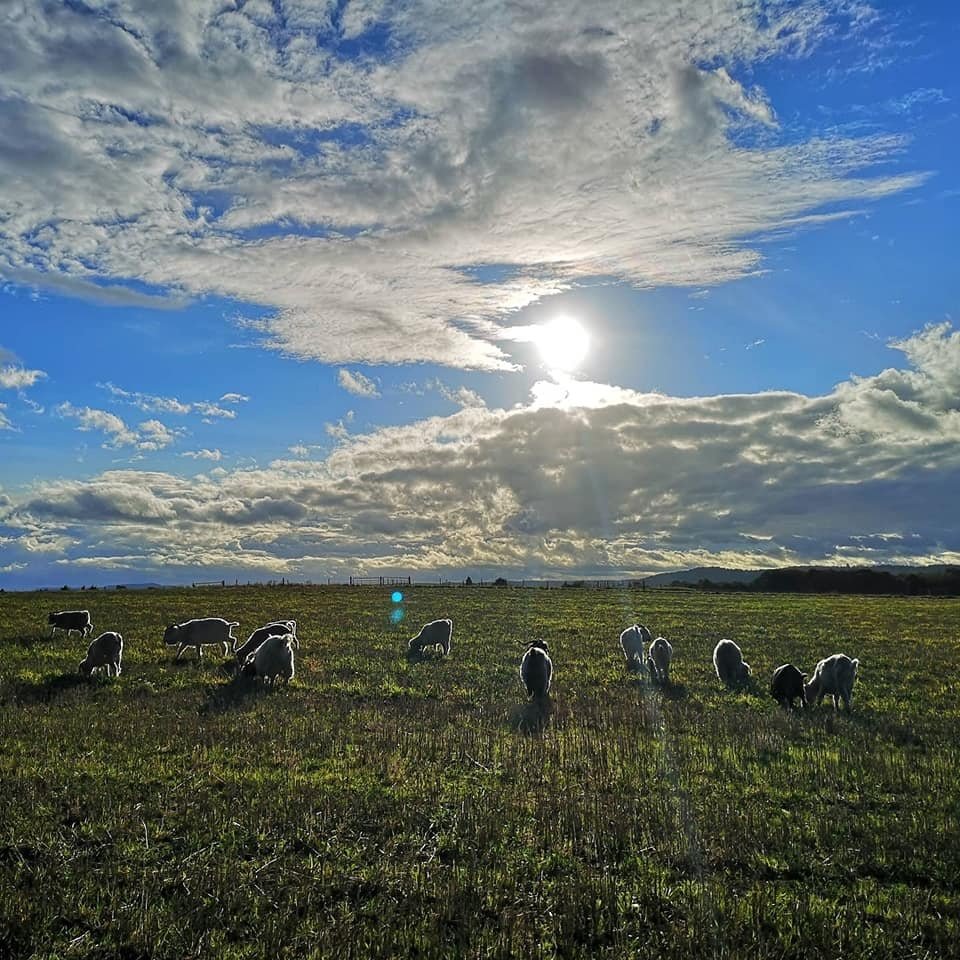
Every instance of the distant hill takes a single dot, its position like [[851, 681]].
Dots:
[[696, 574]]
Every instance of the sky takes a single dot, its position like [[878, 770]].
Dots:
[[306, 290]]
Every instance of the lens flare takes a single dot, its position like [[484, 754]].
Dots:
[[397, 596]]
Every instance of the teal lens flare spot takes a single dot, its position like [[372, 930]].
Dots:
[[396, 615], [397, 597]]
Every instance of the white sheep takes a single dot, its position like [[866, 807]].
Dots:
[[276, 628], [104, 651], [200, 633], [536, 669], [632, 642], [729, 663], [834, 676], [436, 633], [70, 620], [658, 660], [273, 659]]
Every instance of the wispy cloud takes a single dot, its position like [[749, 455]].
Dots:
[[149, 435], [203, 454], [153, 403], [485, 127], [356, 383], [19, 378]]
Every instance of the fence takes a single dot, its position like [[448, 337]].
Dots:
[[380, 581], [209, 583]]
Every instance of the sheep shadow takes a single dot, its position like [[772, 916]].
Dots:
[[429, 655], [28, 640], [237, 693], [533, 717], [51, 688], [672, 691]]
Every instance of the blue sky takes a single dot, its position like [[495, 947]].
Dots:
[[274, 281]]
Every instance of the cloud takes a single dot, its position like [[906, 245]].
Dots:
[[203, 454], [151, 434], [401, 207], [19, 378], [5, 423], [584, 478], [356, 383], [234, 398], [158, 404]]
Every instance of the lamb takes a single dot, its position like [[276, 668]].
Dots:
[[200, 633], [658, 660], [834, 675], [536, 669], [273, 658], [787, 686], [70, 620], [729, 664], [632, 642], [436, 633], [104, 651], [273, 629]]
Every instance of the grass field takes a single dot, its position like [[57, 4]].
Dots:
[[379, 808]]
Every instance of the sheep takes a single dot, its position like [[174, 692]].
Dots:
[[198, 633], [834, 675], [787, 686], [273, 658], [104, 651], [632, 642], [729, 664], [536, 669], [70, 620], [658, 660], [436, 633], [276, 628]]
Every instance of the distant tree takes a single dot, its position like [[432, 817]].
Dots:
[[64, 587], [500, 582], [468, 582]]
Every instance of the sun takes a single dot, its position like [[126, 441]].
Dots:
[[563, 343]]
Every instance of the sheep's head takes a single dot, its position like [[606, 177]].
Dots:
[[86, 668], [538, 644], [249, 668], [745, 671], [172, 633]]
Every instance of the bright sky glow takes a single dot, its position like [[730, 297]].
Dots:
[[282, 288], [563, 343]]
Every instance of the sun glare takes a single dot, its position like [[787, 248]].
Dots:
[[563, 343]]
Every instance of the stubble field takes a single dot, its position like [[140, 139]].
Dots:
[[378, 807]]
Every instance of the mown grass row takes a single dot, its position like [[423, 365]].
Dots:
[[378, 807]]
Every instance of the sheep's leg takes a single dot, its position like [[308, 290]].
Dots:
[[183, 647], [199, 652]]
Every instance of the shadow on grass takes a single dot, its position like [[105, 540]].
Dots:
[[672, 691], [51, 688], [28, 640], [532, 718], [238, 693], [430, 655]]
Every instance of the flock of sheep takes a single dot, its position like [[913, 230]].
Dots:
[[268, 653]]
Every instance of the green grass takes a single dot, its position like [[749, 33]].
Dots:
[[379, 808]]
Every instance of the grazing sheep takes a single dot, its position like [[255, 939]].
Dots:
[[658, 660], [273, 658], [787, 686], [436, 633], [200, 633], [70, 620], [276, 628], [536, 669], [632, 642], [104, 651], [834, 676], [729, 664]]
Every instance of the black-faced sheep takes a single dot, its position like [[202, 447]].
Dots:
[[729, 663], [273, 659], [834, 676], [536, 669], [632, 642], [200, 633], [658, 660], [70, 620], [436, 633], [787, 686], [275, 629], [104, 651]]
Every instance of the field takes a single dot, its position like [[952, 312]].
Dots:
[[382, 808]]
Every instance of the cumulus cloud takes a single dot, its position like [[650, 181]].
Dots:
[[234, 398], [203, 454], [150, 435], [583, 478], [19, 378], [356, 383], [400, 208]]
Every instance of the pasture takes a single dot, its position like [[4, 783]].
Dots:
[[377, 807]]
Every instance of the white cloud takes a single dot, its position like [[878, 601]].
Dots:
[[19, 378], [5, 423], [356, 383], [158, 404], [203, 454], [151, 434], [234, 398], [585, 478], [400, 209]]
